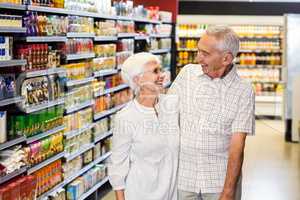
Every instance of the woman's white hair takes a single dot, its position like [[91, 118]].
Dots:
[[229, 40], [134, 66]]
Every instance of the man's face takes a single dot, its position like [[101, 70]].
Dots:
[[152, 78], [209, 56]]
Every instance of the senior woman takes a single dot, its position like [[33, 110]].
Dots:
[[145, 144]]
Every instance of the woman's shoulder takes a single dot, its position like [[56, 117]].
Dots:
[[168, 102], [125, 112]]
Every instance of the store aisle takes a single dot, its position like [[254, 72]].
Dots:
[[272, 166]]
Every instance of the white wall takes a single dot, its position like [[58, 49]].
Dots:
[[230, 19]]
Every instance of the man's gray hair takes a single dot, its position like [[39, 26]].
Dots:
[[229, 40]]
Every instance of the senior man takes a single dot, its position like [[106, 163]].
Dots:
[[216, 115]]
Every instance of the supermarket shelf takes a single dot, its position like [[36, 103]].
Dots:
[[79, 152], [45, 134], [43, 72], [46, 39], [55, 188], [105, 72], [9, 101], [260, 37], [160, 35], [34, 108], [80, 35], [12, 175], [69, 12], [125, 18], [72, 83], [102, 136], [80, 56], [45, 163], [186, 49], [102, 158], [111, 90], [126, 35], [141, 37], [78, 106], [124, 52], [160, 51], [77, 174], [7, 29], [93, 189], [271, 82], [78, 131], [268, 99], [259, 51], [12, 143], [186, 37], [260, 66], [145, 20], [12, 6], [11, 63], [108, 112], [105, 38]]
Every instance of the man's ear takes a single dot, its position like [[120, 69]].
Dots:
[[228, 59]]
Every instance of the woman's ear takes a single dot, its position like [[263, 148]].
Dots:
[[136, 80]]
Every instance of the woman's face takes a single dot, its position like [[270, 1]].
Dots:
[[152, 78]]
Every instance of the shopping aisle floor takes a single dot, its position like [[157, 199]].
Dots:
[[271, 167]]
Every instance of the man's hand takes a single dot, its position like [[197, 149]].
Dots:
[[227, 196]]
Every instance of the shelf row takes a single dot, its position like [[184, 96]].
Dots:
[[77, 13], [77, 174], [240, 51]]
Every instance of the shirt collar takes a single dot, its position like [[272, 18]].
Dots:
[[227, 79]]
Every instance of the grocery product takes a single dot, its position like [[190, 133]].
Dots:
[[3, 129], [78, 96], [36, 90], [106, 102], [123, 8], [10, 21], [44, 149], [6, 48], [81, 24], [20, 188], [105, 50], [104, 63], [77, 142], [48, 176], [35, 123], [77, 71], [7, 86], [38, 56], [82, 184], [81, 5], [45, 25], [163, 43], [105, 28], [78, 120], [12, 159], [72, 166], [125, 26], [77, 46]]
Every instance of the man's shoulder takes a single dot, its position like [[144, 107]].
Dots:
[[244, 85], [192, 69]]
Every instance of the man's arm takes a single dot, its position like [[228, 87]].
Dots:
[[120, 195], [234, 166]]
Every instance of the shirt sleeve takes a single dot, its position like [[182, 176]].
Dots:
[[119, 164], [178, 84], [244, 122]]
